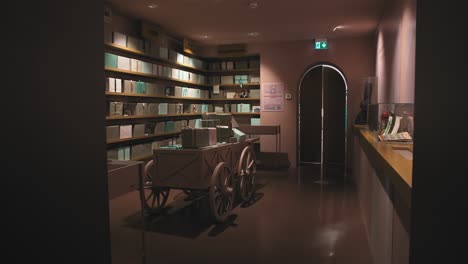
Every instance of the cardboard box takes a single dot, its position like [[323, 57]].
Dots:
[[227, 79], [112, 132], [138, 130], [198, 137]]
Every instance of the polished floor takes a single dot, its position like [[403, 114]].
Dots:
[[295, 218]]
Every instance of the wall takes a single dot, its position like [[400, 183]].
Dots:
[[440, 166], [122, 23], [395, 58], [58, 171], [287, 62]]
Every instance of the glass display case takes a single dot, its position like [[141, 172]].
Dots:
[[379, 114]]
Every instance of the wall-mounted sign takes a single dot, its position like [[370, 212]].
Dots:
[[273, 97], [321, 44]]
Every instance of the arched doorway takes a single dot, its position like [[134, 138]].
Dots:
[[322, 122]]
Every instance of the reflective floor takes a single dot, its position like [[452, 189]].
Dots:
[[295, 218]]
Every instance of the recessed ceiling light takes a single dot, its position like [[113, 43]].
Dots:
[[253, 5], [153, 5], [205, 37], [253, 34], [339, 27]]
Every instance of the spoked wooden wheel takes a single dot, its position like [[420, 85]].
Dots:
[[221, 193], [246, 171], [152, 197]]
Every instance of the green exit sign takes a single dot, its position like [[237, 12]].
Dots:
[[321, 44]]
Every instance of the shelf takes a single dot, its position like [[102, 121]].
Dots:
[[131, 51], [147, 116], [141, 137], [181, 98], [234, 99], [154, 58], [249, 85], [154, 77], [252, 114], [234, 71], [142, 158], [155, 96], [233, 57]]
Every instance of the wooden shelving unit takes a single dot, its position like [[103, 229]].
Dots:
[[154, 77], [148, 116], [247, 114], [167, 81], [234, 71], [121, 140], [235, 99], [157, 97], [166, 62]]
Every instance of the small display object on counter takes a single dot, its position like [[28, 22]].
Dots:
[[398, 137], [392, 121]]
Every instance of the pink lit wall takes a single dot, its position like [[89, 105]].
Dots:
[[395, 59], [287, 62]]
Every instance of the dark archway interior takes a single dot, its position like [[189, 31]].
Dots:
[[322, 87]]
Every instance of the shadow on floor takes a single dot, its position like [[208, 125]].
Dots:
[[189, 217]]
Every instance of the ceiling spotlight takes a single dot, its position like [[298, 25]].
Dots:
[[253, 34], [153, 5], [253, 5], [204, 36]]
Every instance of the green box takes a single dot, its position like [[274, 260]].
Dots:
[[110, 60], [241, 79], [140, 87], [169, 126]]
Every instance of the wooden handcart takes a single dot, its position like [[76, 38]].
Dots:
[[220, 171]]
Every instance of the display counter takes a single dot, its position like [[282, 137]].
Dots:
[[382, 172], [391, 159]]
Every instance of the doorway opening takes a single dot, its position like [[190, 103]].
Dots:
[[323, 119]]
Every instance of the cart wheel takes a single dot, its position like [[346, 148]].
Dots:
[[221, 192], [152, 197], [246, 171]]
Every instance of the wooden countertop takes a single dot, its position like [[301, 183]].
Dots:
[[393, 169], [389, 153]]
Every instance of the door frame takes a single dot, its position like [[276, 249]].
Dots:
[[298, 112]]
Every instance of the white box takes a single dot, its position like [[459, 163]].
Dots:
[[255, 79], [175, 73], [126, 131], [120, 39], [162, 109], [134, 65], [118, 85], [180, 58], [230, 95], [111, 84], [123, 63]]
